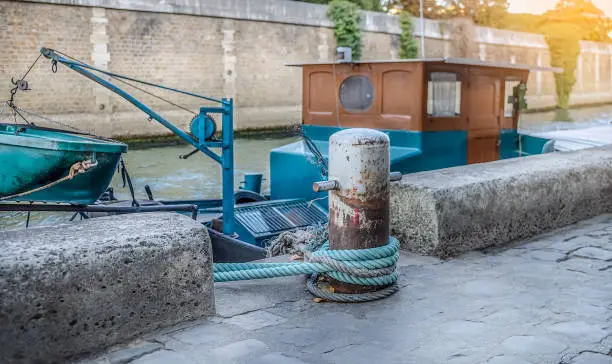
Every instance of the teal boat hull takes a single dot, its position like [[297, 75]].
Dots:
[[32, 158]]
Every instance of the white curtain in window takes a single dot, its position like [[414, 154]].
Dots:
[[443, 93]]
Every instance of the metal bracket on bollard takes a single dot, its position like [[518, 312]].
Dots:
[[330, 185], [325, 185]]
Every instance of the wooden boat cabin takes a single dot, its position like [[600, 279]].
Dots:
[[438, 113]]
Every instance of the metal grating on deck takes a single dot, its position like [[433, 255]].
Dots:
[[270, 219]]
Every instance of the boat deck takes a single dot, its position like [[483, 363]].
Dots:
[[543, 301]]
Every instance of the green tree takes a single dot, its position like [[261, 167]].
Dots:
[[347, 25], [523, 22], [490, 13], [563, 27], [431, 8], [592, 22], [371, 5], [408, 45], [564, 45]]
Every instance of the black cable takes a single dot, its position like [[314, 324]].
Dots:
[[70, 57], [132, 85], [154, 95], [16, 83], [312, 147], [16, 110], [49, 120], [14, 107], [110, 74], [74, 216], [125, 176], [11, 101], [31, 66]]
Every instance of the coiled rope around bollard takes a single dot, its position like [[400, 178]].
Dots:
[[365, 267]]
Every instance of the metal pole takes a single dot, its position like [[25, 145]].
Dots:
[[422, 31], [228, 166], [110, 208], [359, 205]]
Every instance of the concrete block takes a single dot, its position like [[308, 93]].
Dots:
[[449, 211], [73, 289]]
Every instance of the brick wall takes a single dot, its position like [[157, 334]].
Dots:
[[219, 48], [24, 28]]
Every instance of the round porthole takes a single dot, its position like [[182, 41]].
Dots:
[[356, 93]]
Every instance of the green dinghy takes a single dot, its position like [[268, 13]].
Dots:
[[48, 165]]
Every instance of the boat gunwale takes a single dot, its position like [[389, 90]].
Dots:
[[80, 142]]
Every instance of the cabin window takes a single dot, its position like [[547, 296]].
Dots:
[[356, 93], [444, 94], [509, 97]]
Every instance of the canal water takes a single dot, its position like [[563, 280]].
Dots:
[[581, 118], [199, 177]]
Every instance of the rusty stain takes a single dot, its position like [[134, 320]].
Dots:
[[357, 225], [355, 217]]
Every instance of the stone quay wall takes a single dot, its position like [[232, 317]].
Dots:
[[450, 211], [228, 48]]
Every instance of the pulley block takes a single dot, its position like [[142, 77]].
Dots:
[[203, 127]]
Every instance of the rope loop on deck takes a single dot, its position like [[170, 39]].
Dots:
[[364, 267]]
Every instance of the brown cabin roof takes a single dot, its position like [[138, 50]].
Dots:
[[458, 61]]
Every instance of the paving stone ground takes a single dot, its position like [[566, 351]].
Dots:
[[547, 300]]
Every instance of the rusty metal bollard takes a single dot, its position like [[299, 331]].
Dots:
[[358, 186]]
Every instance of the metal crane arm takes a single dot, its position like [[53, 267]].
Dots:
[[201, 140]]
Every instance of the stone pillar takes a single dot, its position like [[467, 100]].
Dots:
[[463, 38], [482, 51], [447, 48], [610, 56], [229, 59], [100, 58], [395, 44], [579, 73], [597, 71], [323, 46], [539, 75]]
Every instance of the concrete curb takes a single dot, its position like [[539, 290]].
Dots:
[[74, 289], [449, 211]]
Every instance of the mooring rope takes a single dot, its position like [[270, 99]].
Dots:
[[75, 169], [364, 267]]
